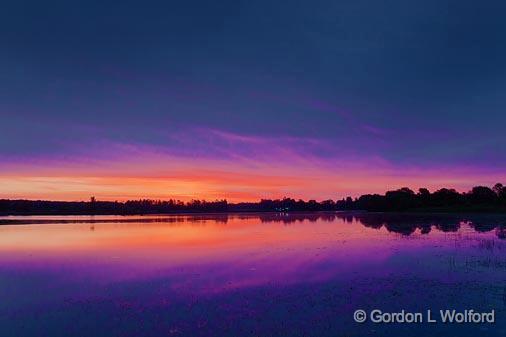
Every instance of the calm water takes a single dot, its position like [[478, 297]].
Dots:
[[247, 275]]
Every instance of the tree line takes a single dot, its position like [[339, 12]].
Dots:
[[142, 206], [478, 199]]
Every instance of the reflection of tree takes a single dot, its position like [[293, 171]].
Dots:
[[401, 223], [407, 224], [501, 233], [288, 218], [448, 227], [483, 227], [371, 220], [425, 229], [401, 228]]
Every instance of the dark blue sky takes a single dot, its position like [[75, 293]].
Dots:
[[419, 83]]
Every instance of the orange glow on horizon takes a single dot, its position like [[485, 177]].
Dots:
[[268, 171], [234, 187]]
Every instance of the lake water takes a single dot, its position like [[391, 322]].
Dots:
[[248, 274]]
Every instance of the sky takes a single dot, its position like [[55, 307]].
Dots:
[[249, 99]]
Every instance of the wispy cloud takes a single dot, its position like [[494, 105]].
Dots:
[[211, 164]]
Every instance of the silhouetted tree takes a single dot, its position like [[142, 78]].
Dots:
[[480, 198], [500, 191], [423, 197], [482, 195], [401, 199], [446, 197]]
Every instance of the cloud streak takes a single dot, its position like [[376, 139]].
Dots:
[[204, 163]]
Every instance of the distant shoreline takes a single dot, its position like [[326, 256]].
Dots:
[[442, 212], [183, 213], [480, 199]]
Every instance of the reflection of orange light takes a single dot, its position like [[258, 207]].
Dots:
[[187, 236], [209, 255]]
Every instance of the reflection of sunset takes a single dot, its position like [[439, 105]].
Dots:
[[239, 248], [275, 246], [185, 233], [187, 264]]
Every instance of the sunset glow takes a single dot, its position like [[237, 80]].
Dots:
[[163, 176], [234, 105]]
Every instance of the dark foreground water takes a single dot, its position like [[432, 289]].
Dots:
[[248, 275]]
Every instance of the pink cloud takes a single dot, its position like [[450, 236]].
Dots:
[[212, 164]]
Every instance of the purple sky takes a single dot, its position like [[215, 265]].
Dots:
[[250, 99]]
